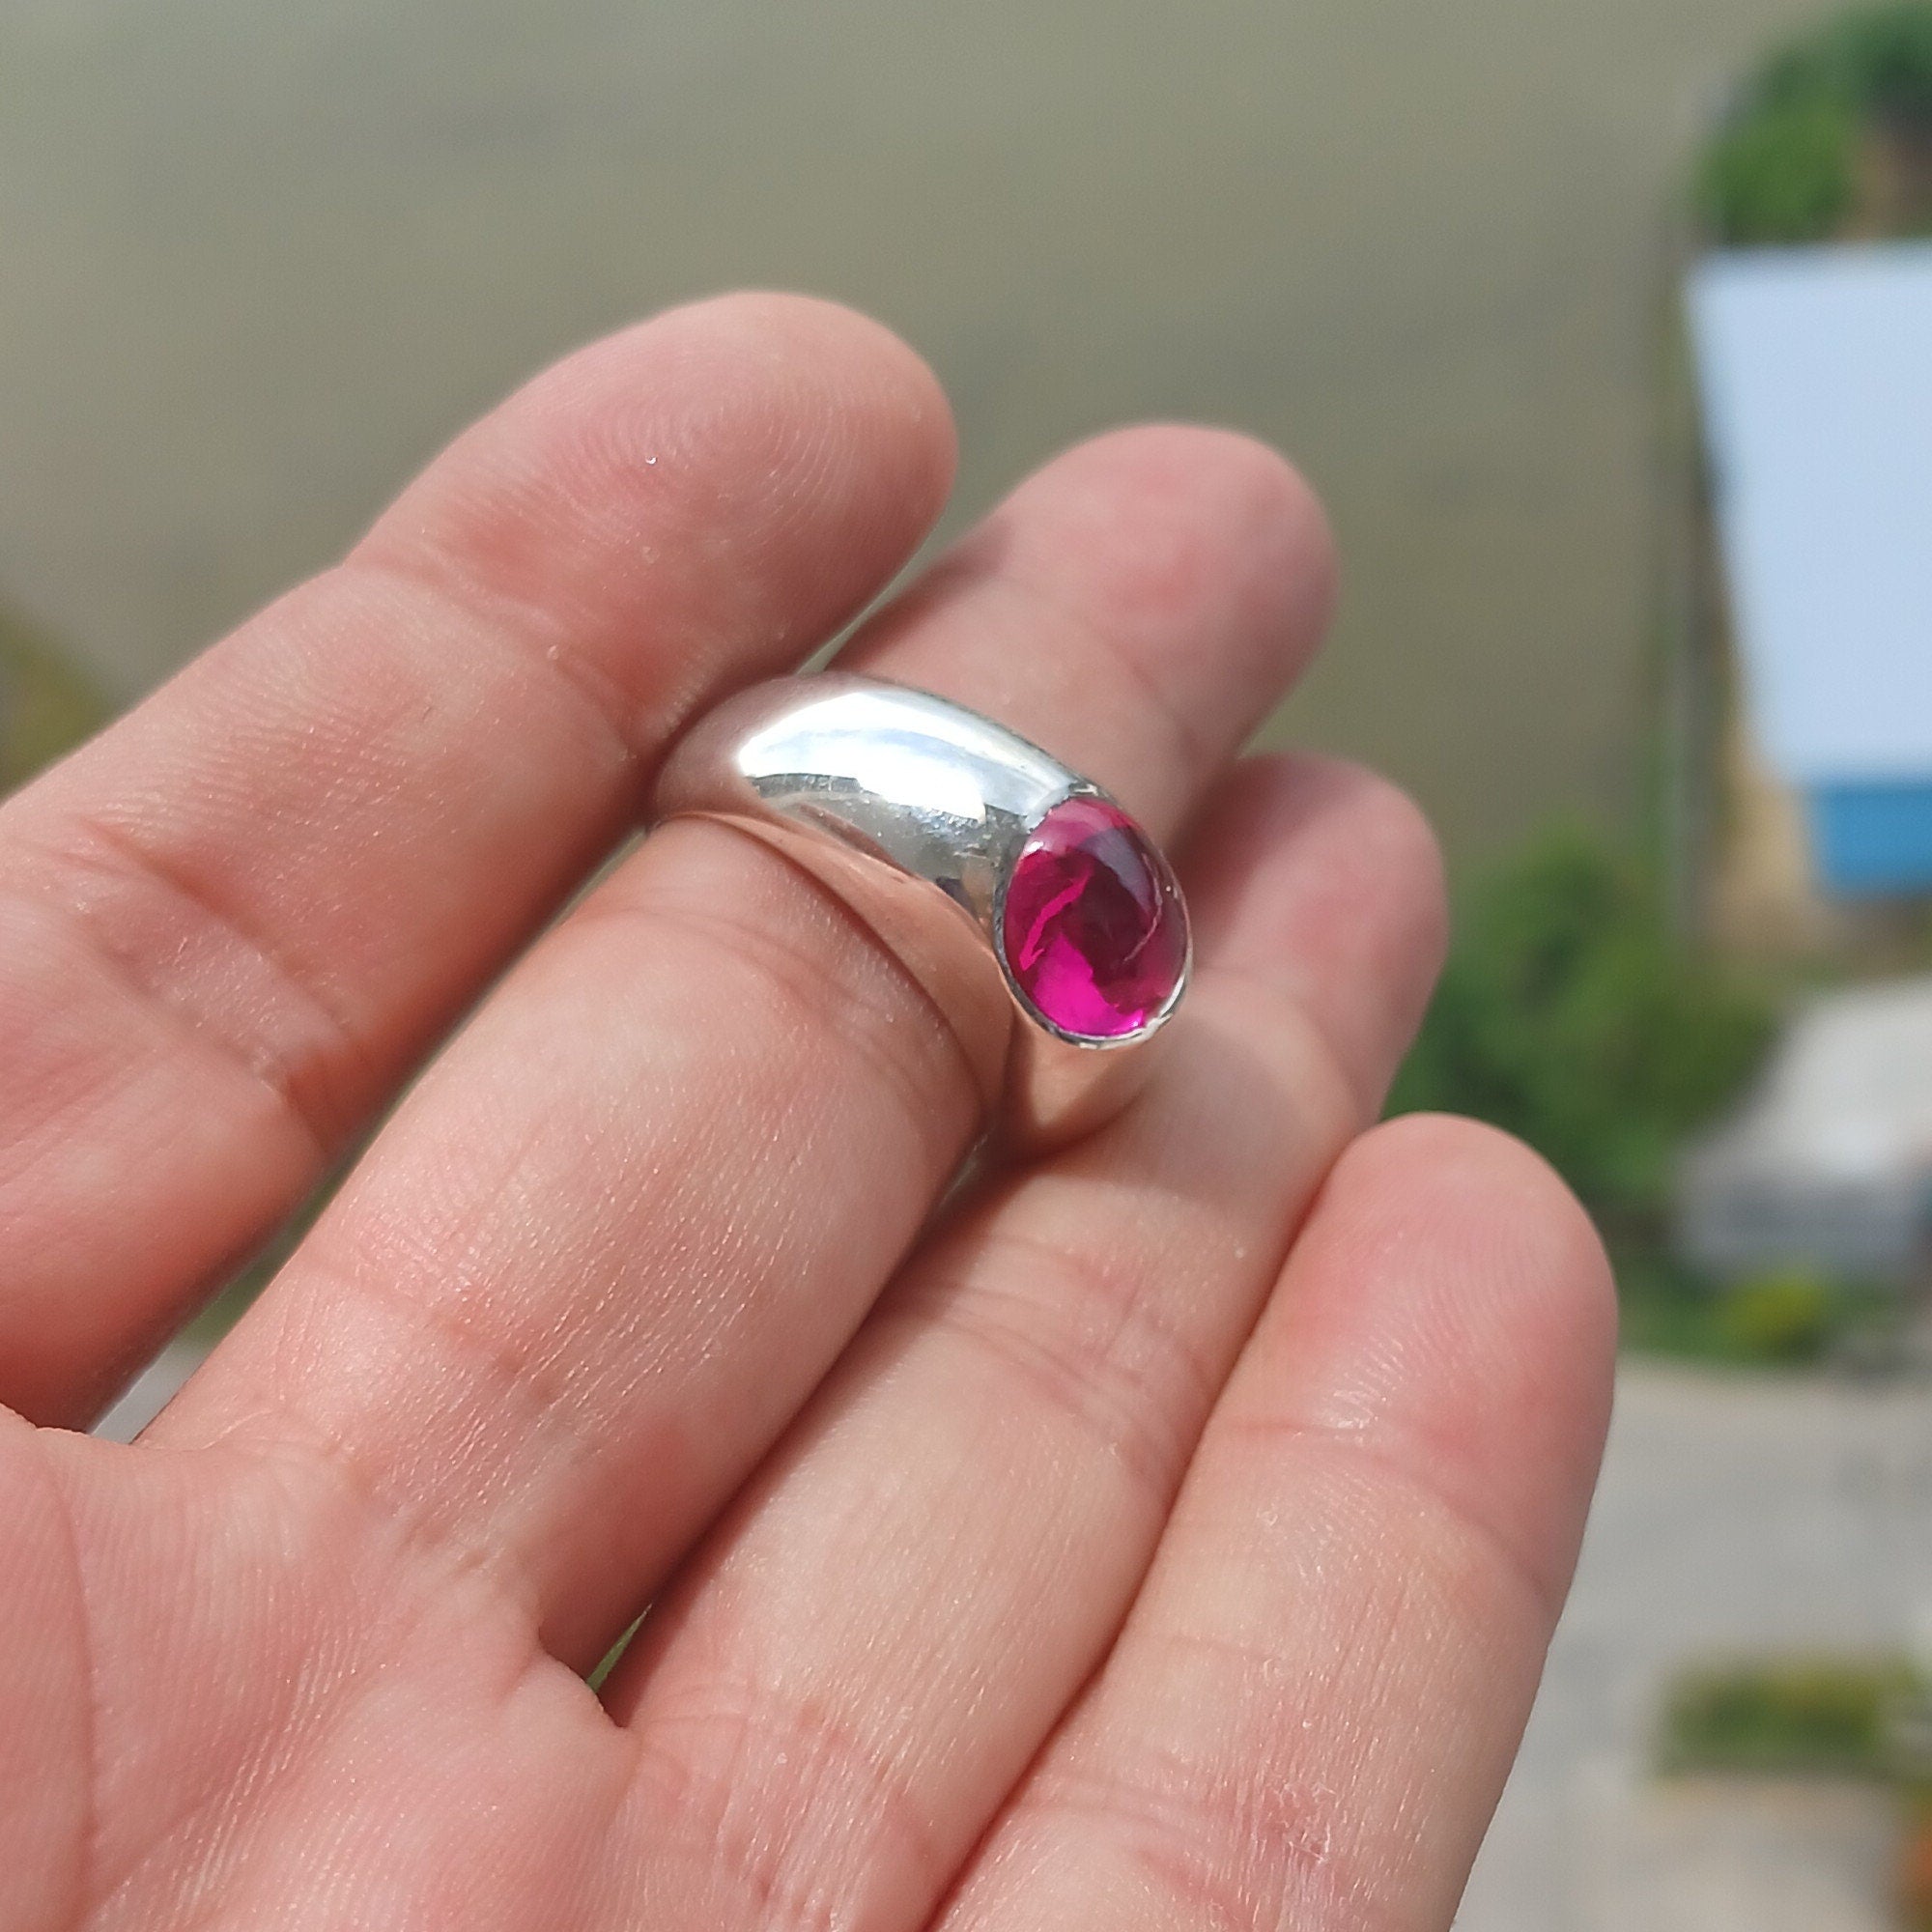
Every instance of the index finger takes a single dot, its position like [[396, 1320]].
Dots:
[[231, 925]]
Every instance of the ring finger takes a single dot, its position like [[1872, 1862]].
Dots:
[[854, 1670]]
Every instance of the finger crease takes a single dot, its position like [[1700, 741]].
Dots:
[[810, 983], [1415, 1480], [512, 1376], [535, 639], [1232, 1848], [1093, 1340], [317, 1046], [793, 1805]]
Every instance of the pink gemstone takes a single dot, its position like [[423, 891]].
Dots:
[[1095, 934]]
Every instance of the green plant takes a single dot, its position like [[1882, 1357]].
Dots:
[[45, 707], [1570, 1014], [1786, 166], [1779, 1322], [1784, 1318], [1785, 174], [1876, 59], [1819, 1717]]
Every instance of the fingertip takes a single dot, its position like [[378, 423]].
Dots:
[[847, 366], [1452, 1299], [801, 444], [1137, 606], [1492, 1193], [759, 369], [1162, 514]]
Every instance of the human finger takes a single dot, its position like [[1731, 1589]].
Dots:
[[231, 925]]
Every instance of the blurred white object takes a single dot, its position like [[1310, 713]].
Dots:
[[1817, 395], [1829, 1163], [1817, 386]]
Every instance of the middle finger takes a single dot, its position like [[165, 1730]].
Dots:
[[622, 1228]]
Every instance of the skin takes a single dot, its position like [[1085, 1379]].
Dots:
[[1164, 1535]]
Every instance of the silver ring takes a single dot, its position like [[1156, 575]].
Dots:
[[1042, 920]]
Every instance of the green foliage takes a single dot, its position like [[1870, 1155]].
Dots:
[[1780, 1322], [1784, 1318], [1571, 1015], [1814, 1718], [614, 1655], [45, 708], [1807, 1718], [1784, 168], [1785, 174], [1877, 61]]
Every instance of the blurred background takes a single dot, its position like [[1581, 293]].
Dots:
[[1605, 330], [258, 261]]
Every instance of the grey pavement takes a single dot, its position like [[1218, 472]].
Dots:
[[1734, 1515], [1732, 1856]]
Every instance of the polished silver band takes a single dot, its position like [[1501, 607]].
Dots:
[[920, 814]]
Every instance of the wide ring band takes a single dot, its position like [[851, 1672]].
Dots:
[[1044, 923]]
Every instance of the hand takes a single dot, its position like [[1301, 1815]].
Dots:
[[1166, 1537]]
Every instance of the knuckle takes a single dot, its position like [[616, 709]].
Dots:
[[1234, 1843], [794, 1809]]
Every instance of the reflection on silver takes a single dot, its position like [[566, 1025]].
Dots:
[[940, 793], [913, 809]]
